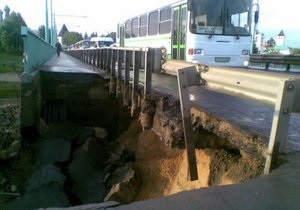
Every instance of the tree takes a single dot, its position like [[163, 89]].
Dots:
[[86, 36], [94, 34], [71, 38], [10, 33], [295, 51], [113, 35]]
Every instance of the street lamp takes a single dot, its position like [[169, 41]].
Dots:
[[47, 24], [256, 17]]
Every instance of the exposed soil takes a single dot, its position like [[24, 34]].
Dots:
[[164, 171], [160, 169]]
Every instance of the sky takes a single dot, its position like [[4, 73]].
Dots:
[[102, 16]]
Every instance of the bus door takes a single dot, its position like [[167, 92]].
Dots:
[[179, 27], [122, 35]]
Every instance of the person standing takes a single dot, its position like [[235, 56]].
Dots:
[[58, 48]]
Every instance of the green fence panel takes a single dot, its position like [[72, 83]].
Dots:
[[36, 50]]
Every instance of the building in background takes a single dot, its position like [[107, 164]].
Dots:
[[280, 47], [260, 42], [62, 31]]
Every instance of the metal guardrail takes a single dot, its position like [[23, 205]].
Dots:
[[148, 59], [127, 59], [281, 90], [287, 60]]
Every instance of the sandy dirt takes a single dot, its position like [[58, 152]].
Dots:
[[164, 171]]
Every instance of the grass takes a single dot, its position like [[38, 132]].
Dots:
[[10, 90], [11, 62]]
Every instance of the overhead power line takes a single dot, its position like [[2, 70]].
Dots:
[[75, 16]]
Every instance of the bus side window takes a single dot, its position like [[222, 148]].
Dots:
[[143, 25], [153, 23], [165, 20], [128, 29]]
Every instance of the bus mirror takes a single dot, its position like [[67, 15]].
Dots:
[[256, 16], [189, 5]]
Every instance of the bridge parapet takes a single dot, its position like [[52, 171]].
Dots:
[[36, 53], [36, 50]]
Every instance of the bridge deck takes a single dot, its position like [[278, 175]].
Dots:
[[247, 114], [263, 192]]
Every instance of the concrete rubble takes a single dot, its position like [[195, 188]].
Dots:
[[75, 170]]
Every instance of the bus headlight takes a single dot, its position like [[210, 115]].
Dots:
[[245, 52], [192, 51]]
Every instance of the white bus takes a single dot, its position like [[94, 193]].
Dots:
[[211, 32], [97, 42], [83, 44]]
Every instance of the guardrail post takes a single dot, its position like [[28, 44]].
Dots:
[[288, 67], [280, 125], [135, 83], [108, 61], [98, 58], [113, 81], [126, 93], [183, 84], [148, 72], [119, 74], [102, 59]]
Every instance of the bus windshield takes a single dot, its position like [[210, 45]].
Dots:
[[220, 17]]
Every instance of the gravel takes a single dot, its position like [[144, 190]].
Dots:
[[9, 131]]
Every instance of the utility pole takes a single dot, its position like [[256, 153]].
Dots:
[[52, 24], [47, 24], [256, 17]]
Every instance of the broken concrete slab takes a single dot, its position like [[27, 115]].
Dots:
[[48, 195], [54, 150], [88, 179], [124, 185], [45, 174], [86, 133]]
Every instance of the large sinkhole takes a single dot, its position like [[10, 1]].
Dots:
[[97, 149], [125, 159]]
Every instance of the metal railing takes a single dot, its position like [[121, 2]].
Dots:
[[287, 60], [281, 90], [127, 59]]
